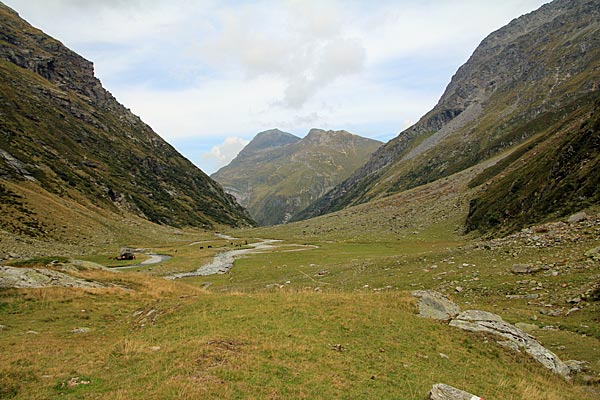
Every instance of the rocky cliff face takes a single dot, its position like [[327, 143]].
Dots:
[[61, 130], [538, 63], [277, 174]]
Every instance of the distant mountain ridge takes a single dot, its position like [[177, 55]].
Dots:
[[277, 174], [519, 78], [63, 132]]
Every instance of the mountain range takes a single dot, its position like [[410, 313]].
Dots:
[[525, 103], [278, 174]]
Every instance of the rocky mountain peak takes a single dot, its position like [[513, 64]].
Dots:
[[265, 141], [278, 174]]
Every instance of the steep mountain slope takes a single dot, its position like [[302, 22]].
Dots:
[[64, 135], [277, 174], [550, 177], [535, 66]]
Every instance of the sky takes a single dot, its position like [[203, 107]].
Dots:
[[209, 75]]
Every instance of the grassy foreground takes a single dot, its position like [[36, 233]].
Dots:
[[169, 340], [328, 314]]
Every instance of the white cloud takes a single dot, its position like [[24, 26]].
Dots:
[[208, 69], [221, 155], [300, 43]]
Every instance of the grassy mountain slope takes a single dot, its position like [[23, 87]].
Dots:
[[277, 174], [536, 66], [66, 134], [556, 175]]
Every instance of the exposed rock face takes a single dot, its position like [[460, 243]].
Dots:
[[63, 131], [441, 391], [514, 86], [11, 277], [435, 305], [482, 321], [278, 174]]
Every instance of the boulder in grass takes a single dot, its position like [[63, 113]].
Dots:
[[441, 391], [577, 217], [435, 305], [483, 321]]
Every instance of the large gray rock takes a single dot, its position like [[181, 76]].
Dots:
[[483, 321], [524, 269], [441, 391], [11, 277], [577, 217], [435, 305]]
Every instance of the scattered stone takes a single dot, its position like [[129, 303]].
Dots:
[[323, 272], [76, 381], [577, 217], [80, 330], [554, 312], [337, 347], [444, 356], [574, 300], [273, 286], [483, 321], [459, 289], [435, 305], [155, 348], [441, 391], [524, 269], [572, 310], [30, 332]]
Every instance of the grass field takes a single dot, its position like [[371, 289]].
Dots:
[[332, 318]]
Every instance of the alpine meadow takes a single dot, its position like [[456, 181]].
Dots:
[[458, 260]]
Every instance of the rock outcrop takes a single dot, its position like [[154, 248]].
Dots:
[[435, 305], [483, 321], [442, 391], [11, 277]]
